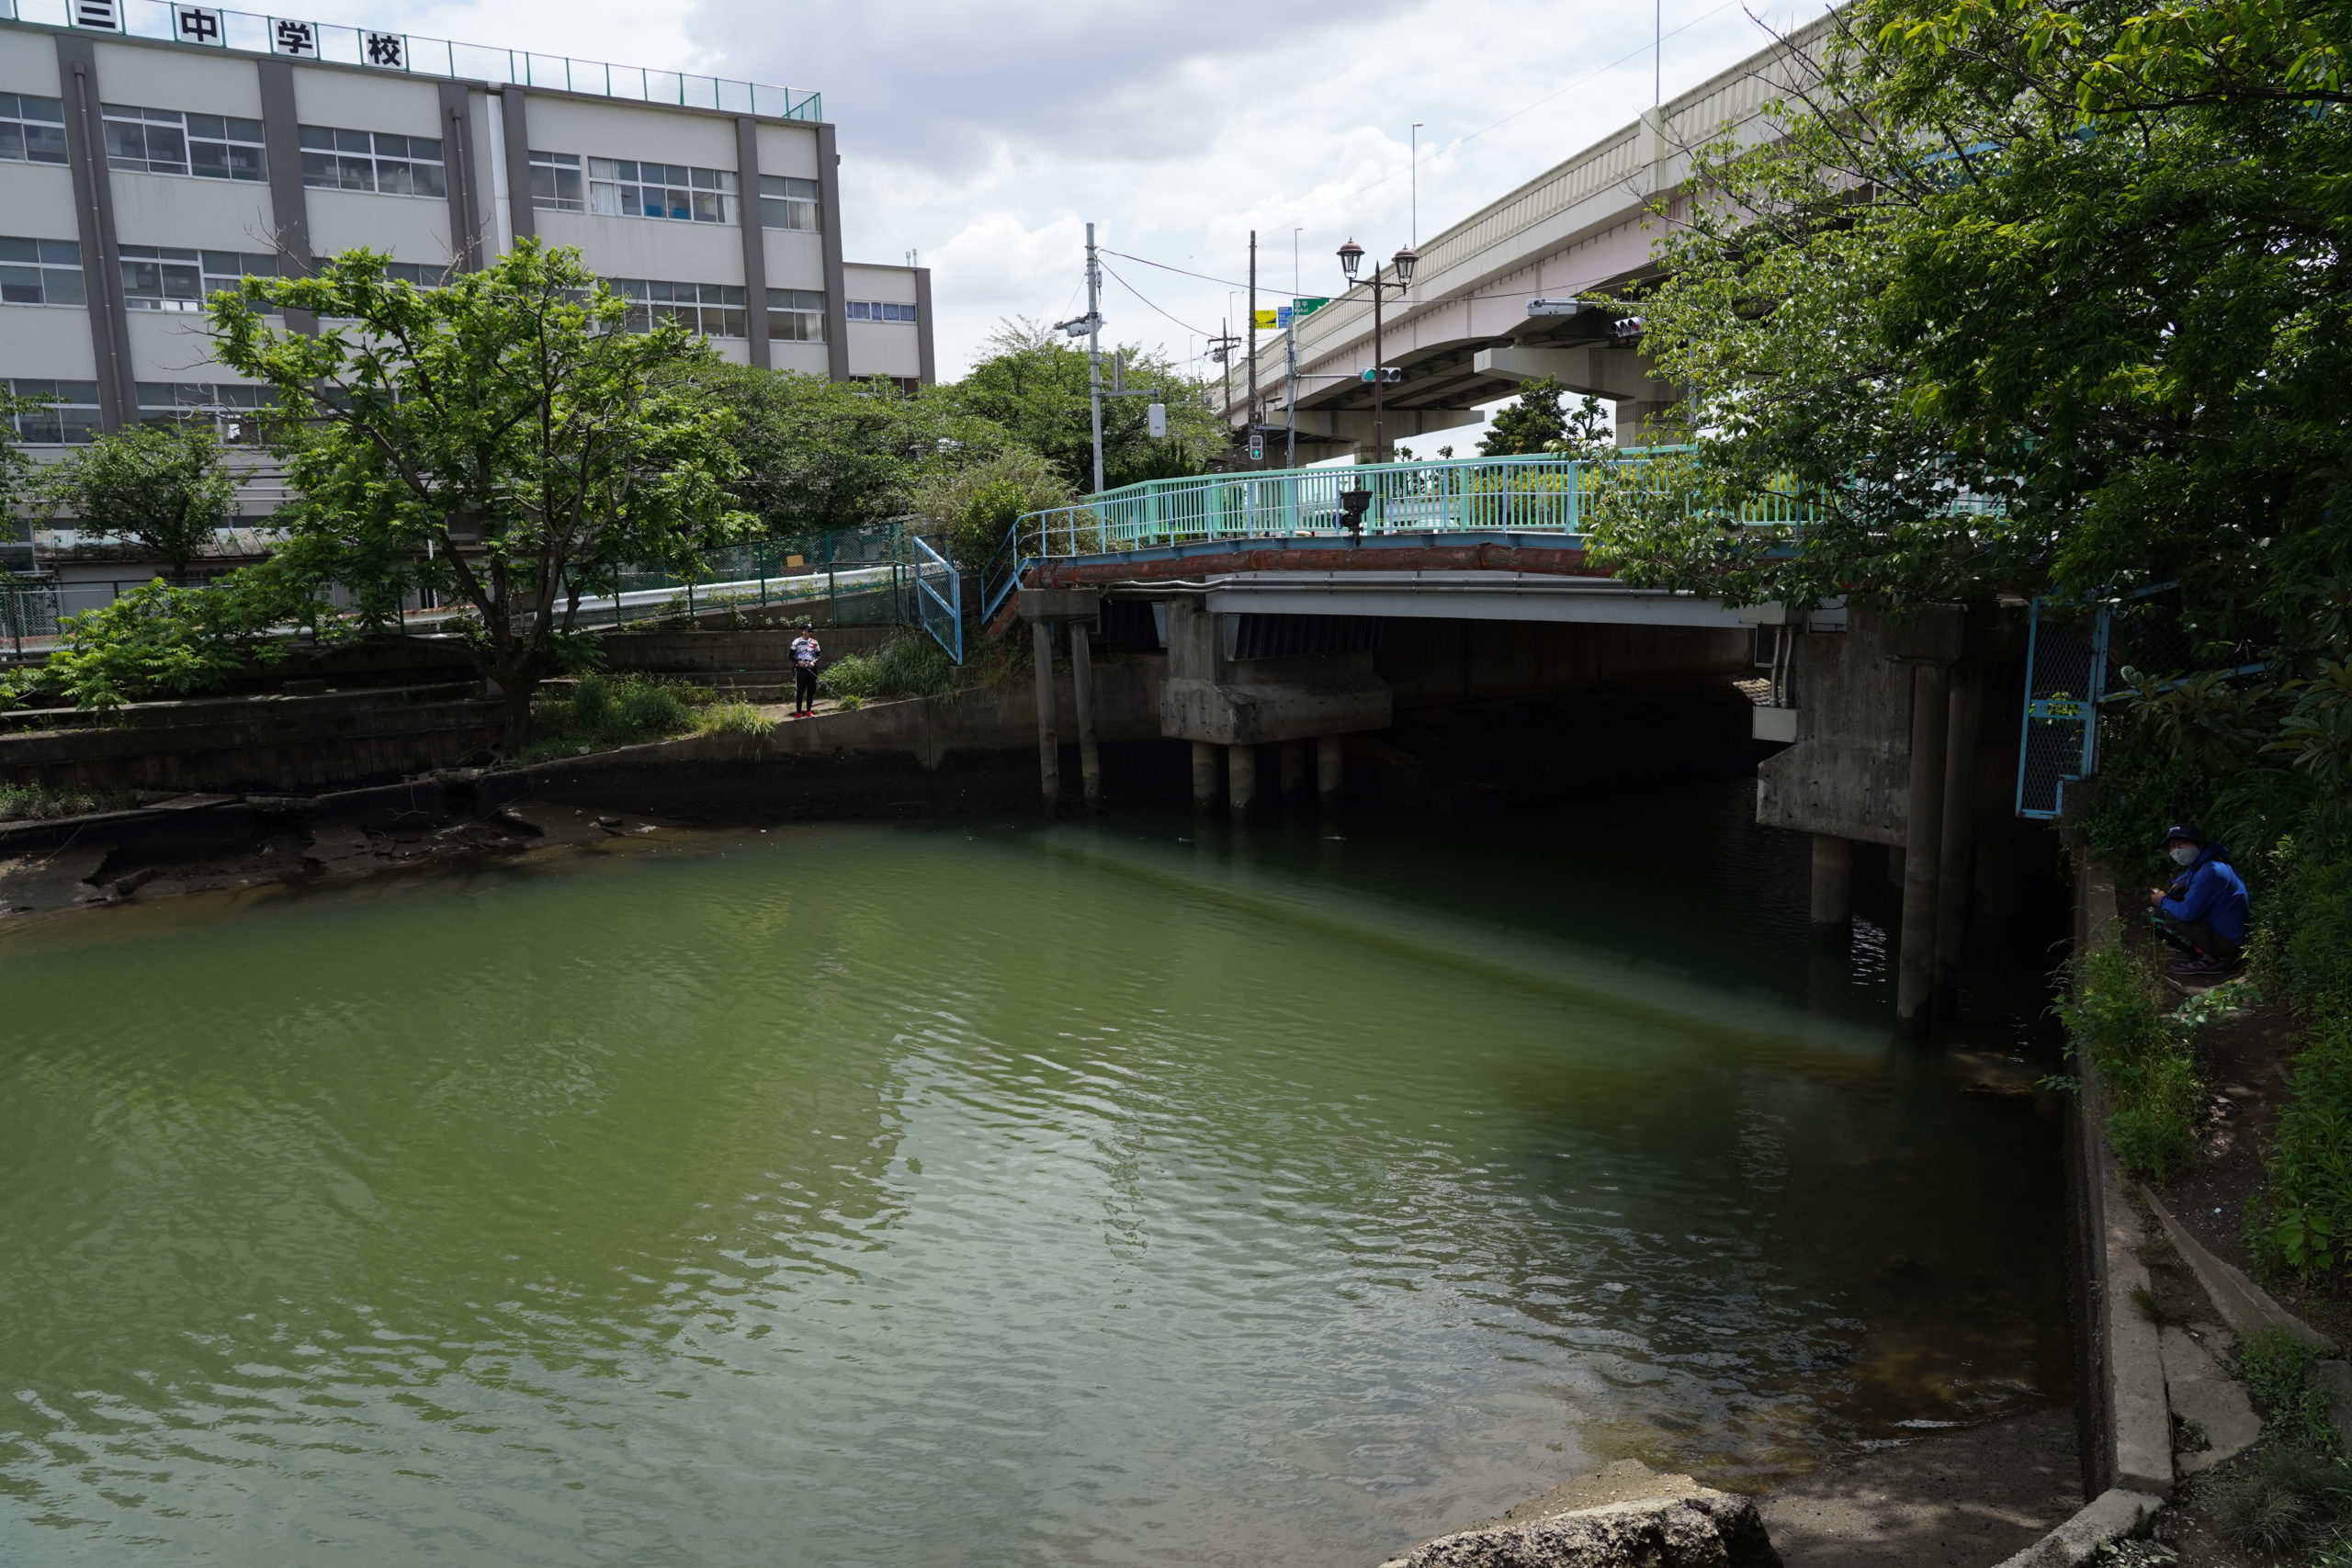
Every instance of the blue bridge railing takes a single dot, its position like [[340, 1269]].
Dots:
[[1540, 493]]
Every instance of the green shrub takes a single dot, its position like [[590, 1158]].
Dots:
[[2280, 1496], [2302, 946], [613, 710], [646, 707], [906, 666], [2115, 1019], [39, 802], [2276, 1365], [735, 718]]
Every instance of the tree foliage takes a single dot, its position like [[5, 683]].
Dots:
[[973, 507], [1036, 388], [164, 486], [1539, 422], [2028, 296], [164, 642], [820, 453], [500, 439]]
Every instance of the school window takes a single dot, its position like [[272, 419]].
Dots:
[[796, 315], [787, 203], [879, 310], [32, 131], [41, 272], [425, 275], [156, 277], [165, 141], [69, 419], [555, 184], [715, 310], [622, 189], [382, 162], [236, 412]]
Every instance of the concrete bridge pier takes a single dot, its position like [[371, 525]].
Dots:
[[1206, 758], [1833, 880], [1040, 608], [1293, 772], [1049, 749], [1241, 781], [1082, 676], [1957, 842], [1915, 971], [1329, 779]]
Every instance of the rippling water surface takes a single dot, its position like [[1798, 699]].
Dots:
[[943, 1197]]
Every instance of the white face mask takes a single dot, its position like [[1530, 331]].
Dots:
[[2184, 855]]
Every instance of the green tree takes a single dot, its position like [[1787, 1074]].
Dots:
[[974, 506], [1539, 422], [164, 486], [501, 438], [1031, 385], [820, 453], [2027, 295]]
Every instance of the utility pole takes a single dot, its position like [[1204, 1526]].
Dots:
[[1252, 391], [1290, 387], [1094, 351]]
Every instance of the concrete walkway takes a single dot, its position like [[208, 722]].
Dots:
[[1964, 1498]]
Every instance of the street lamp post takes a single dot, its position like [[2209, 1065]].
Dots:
[[1351, 258]]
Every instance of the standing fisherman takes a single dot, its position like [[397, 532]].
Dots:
[[806, 651]]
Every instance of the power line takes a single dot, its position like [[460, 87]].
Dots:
[[1204, 278], [1139, 294]]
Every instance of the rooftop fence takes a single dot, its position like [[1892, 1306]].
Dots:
[[204, 26]]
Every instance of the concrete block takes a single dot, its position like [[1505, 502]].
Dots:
[[1061, 603], [1924, 634], [2199, 1391], [2245, 1306], [2111, 1516], [1700, 1528]]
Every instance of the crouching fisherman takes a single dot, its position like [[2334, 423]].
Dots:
[[2203, 913]]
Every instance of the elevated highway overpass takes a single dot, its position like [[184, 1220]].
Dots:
[[1463, 334]]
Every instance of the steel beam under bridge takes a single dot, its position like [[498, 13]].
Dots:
[[1446, 595]]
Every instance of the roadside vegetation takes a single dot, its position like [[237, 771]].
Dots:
[[602, 711], [910, 665], [40, 803]]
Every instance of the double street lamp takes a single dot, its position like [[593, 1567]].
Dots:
[[1352, 258]]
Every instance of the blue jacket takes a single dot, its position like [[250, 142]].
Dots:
[[2210, 893]]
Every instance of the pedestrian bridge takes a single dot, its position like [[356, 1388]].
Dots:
[[1482, 539]]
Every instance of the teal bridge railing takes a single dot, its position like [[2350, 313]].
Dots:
[[1538, 494]]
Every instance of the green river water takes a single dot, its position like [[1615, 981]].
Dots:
[[945, 1196]]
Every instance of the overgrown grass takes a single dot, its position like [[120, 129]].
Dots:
[[603, 711], [2303, 949], [743, 719], [2115, 1019], [39, 802], [906, 666], [2281, 1496]]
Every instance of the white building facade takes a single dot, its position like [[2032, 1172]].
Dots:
[[153, 152]]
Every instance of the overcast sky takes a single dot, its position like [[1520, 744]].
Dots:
[[984, 135]]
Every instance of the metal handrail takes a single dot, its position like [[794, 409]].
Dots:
[[1542, 493], [939, 614]]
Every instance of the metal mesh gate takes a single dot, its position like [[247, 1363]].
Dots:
[[2066, 673]]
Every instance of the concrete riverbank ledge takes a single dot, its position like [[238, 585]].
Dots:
[[1679, 1524]]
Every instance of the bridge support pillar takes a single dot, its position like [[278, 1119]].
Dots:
[[1293, 770], [1923, 845], [1204, 771], [1049, 759], [1082, 675], [1241, 781], [1959, 843], [1327, 778], [1833, 880]]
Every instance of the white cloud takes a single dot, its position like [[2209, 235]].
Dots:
[[984, 134]]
